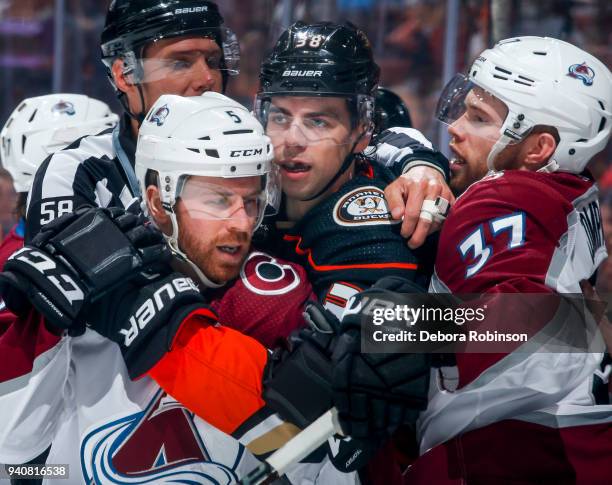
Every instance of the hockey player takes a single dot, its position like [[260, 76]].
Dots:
[[535, 110], [122, 430], [317, 103], [37, 128], [149, 48], [213, 207]]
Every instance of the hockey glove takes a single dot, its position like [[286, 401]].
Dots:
[[376, 393], [299, 385], [143, 319], [78, 258]]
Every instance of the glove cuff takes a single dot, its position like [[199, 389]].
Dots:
[[144, 357]]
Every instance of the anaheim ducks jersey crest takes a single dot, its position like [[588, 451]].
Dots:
[[351, 238]]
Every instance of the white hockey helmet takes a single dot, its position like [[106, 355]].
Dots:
[[209, 135], [43, 125], [184, 139], [543, 82]]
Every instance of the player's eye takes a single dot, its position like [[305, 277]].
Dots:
[[179, 64], [317, 123], [215, 200], [214, 61], [278, 118]]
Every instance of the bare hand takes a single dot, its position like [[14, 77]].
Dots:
[[405, 197]]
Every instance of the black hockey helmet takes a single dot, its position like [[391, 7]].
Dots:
[[390, 110], [320, 59], [132, 24]]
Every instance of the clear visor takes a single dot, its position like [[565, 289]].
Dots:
[[332, 123], [210, 201], [274, 191], [469, 109], [188, 64]]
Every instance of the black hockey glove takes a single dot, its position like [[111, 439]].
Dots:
[[143, 318], [298, 383], [77, 259], [376, 393], [299, 386]]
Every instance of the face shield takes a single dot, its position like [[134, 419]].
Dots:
[[207, 200], [274, 191], [472, 110], [224, 59], [330, 121]]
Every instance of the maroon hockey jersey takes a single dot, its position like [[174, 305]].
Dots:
[[518, 416]]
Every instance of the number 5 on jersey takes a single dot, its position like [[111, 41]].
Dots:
[[513, 224]]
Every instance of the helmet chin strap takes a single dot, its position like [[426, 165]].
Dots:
[[343, 168], [138, 117], [174, 245], [550, 167], [502, 142]]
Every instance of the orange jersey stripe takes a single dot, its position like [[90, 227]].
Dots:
[[336, 267]]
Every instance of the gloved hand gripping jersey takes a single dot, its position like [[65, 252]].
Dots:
[[373, 393], [376, 393], [77, 259], [107, 269]]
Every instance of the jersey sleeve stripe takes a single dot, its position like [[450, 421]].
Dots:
[[337, 267]]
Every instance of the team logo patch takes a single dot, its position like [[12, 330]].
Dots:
[[363, 206], [264, 275], [63, 108], [160, 115], [582, 72], [160, 445]]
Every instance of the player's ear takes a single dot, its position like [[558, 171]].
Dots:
[[122, 81], [539, 148], [156, 210]]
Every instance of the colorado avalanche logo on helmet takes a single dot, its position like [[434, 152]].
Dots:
[[160, 115], [582, 72], [63, 107]]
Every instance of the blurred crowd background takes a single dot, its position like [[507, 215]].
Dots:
[[53, 46]]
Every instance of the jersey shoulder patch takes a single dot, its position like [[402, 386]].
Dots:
[[266, 301], [362, 206], [264, 275]]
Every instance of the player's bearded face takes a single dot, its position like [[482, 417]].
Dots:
[[472, 137], [187, 66], [219, 246], [311, 136]]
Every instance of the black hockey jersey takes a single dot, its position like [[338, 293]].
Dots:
[[349, 240]]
